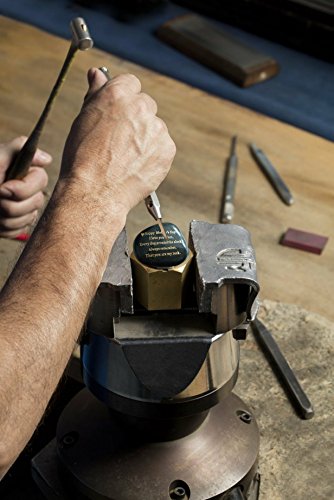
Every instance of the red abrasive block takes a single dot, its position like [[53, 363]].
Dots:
[[302, 240], [23, 237]]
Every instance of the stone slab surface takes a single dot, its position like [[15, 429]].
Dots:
[[295, 455]]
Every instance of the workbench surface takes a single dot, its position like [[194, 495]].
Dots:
[[202, 127]]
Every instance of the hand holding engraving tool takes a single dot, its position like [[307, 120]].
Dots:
[[227, 205], [81, 40], [152, 201], [272, 175], [284, 371]]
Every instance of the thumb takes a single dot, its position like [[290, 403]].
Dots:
[[96, 80]]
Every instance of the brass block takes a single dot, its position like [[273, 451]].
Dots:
[[159, 289]]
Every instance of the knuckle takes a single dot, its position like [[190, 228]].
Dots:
[[113, 88], [142, 106], [7, 208], [19, 141], [43, 178], [37, 177], [149, 101], [131, 79], [7, 224], [38, 200], [117, 92], [125, 82], [4, 224], [160, 125], [17, 223], [9, 234], [172, 147], [169, 152], [31, 217]]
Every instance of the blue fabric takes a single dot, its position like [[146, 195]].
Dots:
[[302, 94]]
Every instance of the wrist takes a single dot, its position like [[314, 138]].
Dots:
[[103, 198], [90, 206]]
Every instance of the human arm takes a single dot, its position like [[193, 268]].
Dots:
[[117, 152], [20, 200]]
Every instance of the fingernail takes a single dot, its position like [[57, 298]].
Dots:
[[44, 156], [22, 237], [35, 216], [91, 77], [5, 192]]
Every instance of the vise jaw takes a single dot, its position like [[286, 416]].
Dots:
[[224, 278], [226, 281]]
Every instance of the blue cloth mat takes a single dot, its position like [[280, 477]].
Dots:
[[302, 94]]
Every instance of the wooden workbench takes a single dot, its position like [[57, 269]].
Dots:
[[202, 127]]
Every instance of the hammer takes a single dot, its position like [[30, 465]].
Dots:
[[81, 40]]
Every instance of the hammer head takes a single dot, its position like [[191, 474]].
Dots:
[[81, 38]]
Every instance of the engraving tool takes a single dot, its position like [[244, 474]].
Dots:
[[227, 206], [153, 206], [272, 175], [281, 366], [81, 40], [152, 201]]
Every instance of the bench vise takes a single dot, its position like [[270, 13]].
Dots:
[[158, 418]]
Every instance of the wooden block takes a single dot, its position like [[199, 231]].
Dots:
[[203, 41]]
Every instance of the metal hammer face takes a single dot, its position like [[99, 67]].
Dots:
[[81, 38]]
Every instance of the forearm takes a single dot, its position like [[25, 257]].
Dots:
[[117, 152], [49, 297]]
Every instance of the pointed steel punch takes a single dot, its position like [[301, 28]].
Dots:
[[153, 206]]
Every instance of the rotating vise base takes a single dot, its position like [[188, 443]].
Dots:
[[100, 458]]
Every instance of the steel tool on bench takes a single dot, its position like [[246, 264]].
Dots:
[[283, 370], [230, 177], [272, 174], [158, 418]]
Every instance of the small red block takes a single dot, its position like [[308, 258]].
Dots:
[[303, 240], [23, 237]]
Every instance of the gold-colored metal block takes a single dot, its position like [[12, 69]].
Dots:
[[159, 289]]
